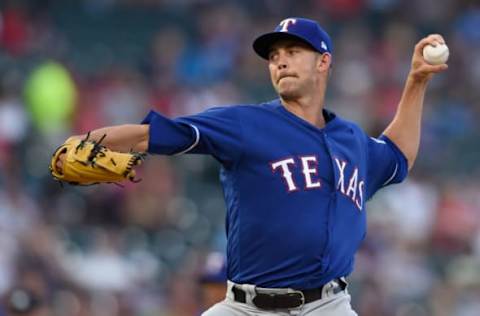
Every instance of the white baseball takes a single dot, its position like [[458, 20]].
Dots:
[[436, 55]]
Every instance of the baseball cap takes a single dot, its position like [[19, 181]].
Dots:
[[305, 30]]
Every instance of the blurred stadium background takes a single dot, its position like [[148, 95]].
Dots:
[[67, 67]]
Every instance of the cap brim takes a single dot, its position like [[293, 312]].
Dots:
[[264, 42]]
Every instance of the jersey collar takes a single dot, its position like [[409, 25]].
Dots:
[[329, 116]]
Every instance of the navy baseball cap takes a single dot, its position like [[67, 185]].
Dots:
[[305, 30]]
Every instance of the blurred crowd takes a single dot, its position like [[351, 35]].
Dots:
[[67, 67]]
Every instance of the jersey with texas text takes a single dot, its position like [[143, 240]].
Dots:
[[295, 194]]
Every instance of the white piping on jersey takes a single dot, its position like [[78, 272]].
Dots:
[[393, 175], [396, 166], [195, 143], [378, 140]]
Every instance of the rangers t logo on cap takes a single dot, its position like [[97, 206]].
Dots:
[[305, 30], [285, 23]]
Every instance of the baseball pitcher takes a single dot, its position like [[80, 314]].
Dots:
[[296, 177]]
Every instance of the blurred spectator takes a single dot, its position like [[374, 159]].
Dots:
[[51, 97], [21, 301], [15, 29], [213, 280], [13, 118]]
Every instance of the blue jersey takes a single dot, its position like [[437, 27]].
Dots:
[[295, 193]]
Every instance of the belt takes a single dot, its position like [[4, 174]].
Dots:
[[294, 299]]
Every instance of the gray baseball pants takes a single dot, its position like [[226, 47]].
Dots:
[[332, 303]]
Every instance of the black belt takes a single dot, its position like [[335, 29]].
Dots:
[[294, 299]]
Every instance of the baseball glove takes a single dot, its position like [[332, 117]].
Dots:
[[88, 162]]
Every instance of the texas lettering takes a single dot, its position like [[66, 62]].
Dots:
[[348, 183]]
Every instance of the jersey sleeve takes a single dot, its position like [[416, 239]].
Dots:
[[215, 132], [386, 164]]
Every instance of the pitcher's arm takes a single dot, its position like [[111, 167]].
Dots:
[[122, 138], [405, 128]]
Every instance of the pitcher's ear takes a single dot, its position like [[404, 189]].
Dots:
[[324, 62]]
